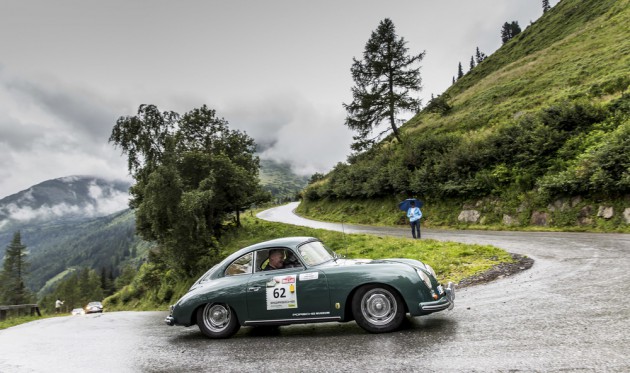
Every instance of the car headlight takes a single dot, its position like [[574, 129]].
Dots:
[[431, 271], [425, 278]]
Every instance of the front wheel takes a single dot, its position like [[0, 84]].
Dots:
[[378, 309], [217, 321]]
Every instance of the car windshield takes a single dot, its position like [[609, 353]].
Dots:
[[315, 253]]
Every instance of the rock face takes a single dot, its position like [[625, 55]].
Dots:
[[626, 215], [584, 216], [508, 220], [540, 218], [605, 212], [469, 216]]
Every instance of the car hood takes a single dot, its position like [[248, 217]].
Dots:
[[351, 262]]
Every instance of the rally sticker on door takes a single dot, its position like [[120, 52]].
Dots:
[[282, 292]]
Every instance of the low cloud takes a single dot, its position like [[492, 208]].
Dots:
[[311, 138], [102, 204]]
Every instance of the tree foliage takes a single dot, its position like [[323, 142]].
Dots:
[[509, 31], [15, 266], [192, 172], [384, 79], [460, 71], [479, 56], [568, 148], [439, 104], [76, 290], [545, 6]]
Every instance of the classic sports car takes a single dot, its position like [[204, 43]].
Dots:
[[312, 284]]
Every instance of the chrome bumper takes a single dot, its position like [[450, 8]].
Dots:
[[170, 320], [446, 302]]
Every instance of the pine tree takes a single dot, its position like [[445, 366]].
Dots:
[[472, 62], [460, 71], [12, 288], [384, 79], [545, 5], [480, 56]]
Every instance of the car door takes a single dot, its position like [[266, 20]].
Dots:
[[287, 294]]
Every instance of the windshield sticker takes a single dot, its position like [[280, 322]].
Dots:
[[309, 276], [282, 292]]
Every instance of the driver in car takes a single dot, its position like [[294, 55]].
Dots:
[[276, 260]]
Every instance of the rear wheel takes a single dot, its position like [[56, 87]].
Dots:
[[378, 308], [217, 320]]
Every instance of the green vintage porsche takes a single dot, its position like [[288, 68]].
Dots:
[[299, 280]]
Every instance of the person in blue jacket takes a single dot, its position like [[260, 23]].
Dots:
[[414, 214]]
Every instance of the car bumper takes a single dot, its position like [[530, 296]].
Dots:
[[170, 320], [446, 302]]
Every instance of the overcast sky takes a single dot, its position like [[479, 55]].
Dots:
[[279, 70]]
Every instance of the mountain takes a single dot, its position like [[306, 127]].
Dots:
[[538, 133], [280, 180], [72, 197], [84, 221], [69, 222]]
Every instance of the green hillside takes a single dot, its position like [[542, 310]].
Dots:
[[278, 179], [536, 134], [107, 242]]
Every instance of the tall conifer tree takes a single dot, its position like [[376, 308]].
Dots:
[[12, 288], [479, 55], [384, 80]]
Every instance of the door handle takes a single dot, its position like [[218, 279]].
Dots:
[[254, 288]]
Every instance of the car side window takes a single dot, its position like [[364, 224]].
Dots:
[[288, 258], [242, 265]]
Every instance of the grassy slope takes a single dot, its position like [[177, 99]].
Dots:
[[564, 55], [579, 49]]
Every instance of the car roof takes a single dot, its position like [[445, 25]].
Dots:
[[289, 242]]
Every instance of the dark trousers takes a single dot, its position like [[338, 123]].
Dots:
[[415, 226]]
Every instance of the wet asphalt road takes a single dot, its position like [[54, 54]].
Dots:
[[569, 312]]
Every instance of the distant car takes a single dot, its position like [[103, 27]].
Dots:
[[315, 285], [77, 311], [94, 307]]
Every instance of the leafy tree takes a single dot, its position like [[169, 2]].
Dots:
[[545, 6], [192, 172], [384, 79], [480, 56], [12, 288], [509, 31], [460, 71], [315, 178]]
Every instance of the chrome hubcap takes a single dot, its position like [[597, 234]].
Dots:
[[216, 317], [378, 306]]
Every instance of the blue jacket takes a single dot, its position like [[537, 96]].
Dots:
[[414, 214]]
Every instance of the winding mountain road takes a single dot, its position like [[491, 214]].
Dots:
[[569, 312]]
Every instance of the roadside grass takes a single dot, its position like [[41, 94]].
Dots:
[[17, 320]]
